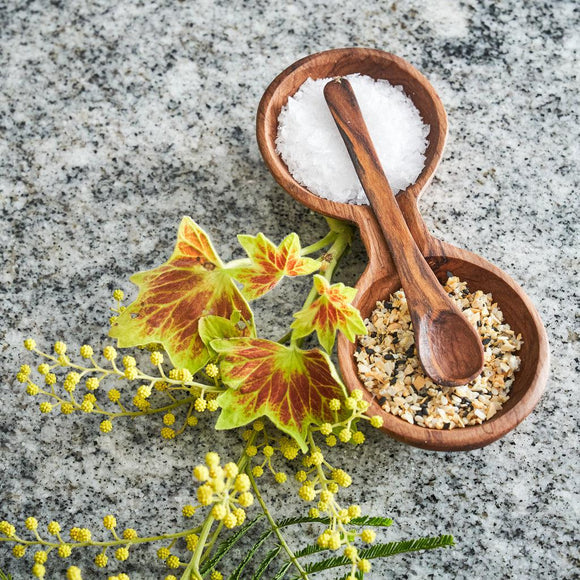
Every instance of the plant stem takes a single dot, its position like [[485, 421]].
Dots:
[[275, 528], [325, 241]]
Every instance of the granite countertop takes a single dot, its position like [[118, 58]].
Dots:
[[117, 118]]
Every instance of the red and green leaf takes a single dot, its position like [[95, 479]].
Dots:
[[291, 387], [174, 296], [214, 327], [269, 264], [330, 312]]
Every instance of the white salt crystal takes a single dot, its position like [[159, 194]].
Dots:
[[311, 146]]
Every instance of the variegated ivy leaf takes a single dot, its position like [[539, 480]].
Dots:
[[330, 312], [269, 264], [291, 387], [174, 296], [214, 327]]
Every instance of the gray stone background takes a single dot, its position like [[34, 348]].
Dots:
[[116, 118]]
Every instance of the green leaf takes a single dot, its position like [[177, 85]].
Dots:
[[373, 521], [330, 312], [270, 556], [383, 551], [291, 387], [269, 264], [236, 575], [282, 572], [214, 327], [174, 296], [225, 546], [309, 550], [5, 576]]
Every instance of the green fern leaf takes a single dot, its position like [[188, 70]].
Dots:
[[309, 550], [383, 551], [5, 576], [302, 520], [282, 572], [236, 575], [373, 521], [271, 555], [228, 544]]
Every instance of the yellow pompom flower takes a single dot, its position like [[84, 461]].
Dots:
[[215, 575], [258, 425], [240, 515], [92, 384], [334, 542], [130, 534], [114, 395], [251, 451], [231, 469], [200, 404], [31, 523], [30, 344], [101, 560], [307, 493], [212, 371], [168, 419], [74, 573], [110, 353], [351, 553], [364, 566], [358, 438], [245, 499], [354, 511], [163, 553], [121, 554], [87, 406], [201, 473], [40, 557], [368, 536], [118, 295], [110, 522], [106, 426], [64, 550], [341, 477], [32, 389], [50, 379], [86, 351], [204, 494], [191, 541], [242, 483], [45, 407], [212, 405], [219, 511], [53, 528], [345, 435], [44, 369], [156, 358], [59, 347], [268, 451], [18, 551], [170, 577], [331, 441], [131, 373], [129, 362], [326, 428], [350, 403], [357, 395], [313, 513], [280, 477], [38, 570], [334, 404], [192, 421], [230, 521], [257, 471], [172, 562], [188, 511], [377, 421]]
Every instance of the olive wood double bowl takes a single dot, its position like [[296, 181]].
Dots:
[[380, 278]]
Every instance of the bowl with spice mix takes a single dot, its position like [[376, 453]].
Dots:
[[291, 127]]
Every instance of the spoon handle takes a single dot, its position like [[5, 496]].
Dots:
[[448, 347]]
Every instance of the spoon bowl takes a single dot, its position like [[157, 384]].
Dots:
[[380, 277]]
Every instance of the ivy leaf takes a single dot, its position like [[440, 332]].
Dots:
[[214, 327], [330, 312], [291, 387], [174, 296], [269, 264]]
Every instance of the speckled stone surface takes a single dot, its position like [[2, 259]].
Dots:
[[116, 118]]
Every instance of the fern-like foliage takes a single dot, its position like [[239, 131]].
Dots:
[[266, 562], [383, 551], [228, 544], [5, 576]]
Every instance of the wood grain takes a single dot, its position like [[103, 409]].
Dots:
[[380, 277]]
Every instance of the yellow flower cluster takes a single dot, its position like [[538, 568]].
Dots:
[[224, 488]]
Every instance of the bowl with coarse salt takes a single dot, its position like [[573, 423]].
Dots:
[[408, 126]]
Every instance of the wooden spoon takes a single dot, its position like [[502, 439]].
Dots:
[[448, 346], [380, 278]]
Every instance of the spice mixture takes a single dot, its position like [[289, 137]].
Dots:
[[388, 365]]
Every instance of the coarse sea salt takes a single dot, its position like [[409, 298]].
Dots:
[[311, 146]]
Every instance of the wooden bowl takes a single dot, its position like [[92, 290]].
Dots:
[[380, 278]]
